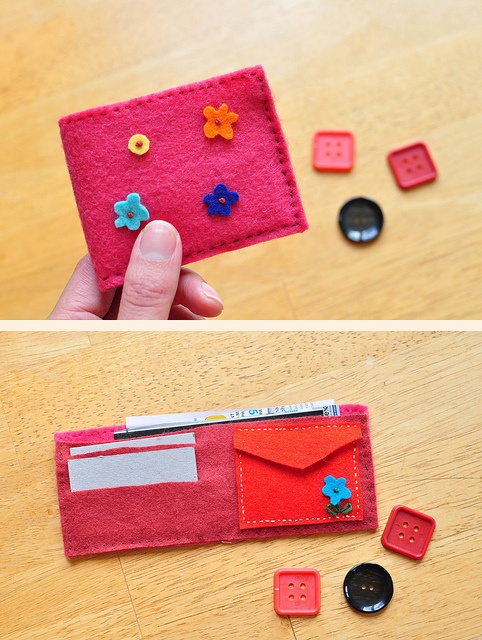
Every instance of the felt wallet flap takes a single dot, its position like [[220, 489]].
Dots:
[[177, 178], [298, 446]]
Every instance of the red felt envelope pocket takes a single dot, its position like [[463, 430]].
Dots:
[[298, 474]]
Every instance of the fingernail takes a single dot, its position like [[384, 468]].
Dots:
[[211, 294], [158, 241]]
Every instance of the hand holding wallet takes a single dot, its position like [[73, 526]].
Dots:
[[216, 483]]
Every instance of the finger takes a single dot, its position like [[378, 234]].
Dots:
[[152, 276], [178, 312], [81, 298], [114, 307], [196, 295]]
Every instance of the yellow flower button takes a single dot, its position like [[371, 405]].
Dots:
[[139, 144]]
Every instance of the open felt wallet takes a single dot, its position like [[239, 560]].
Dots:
[[208, 157], [220, 482]]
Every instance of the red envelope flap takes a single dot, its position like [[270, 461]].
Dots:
[[299, 445]]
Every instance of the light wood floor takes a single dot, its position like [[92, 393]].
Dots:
[[423, 390], [392, 72]]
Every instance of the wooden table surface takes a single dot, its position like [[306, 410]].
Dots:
[[423, 391], [392, 72]]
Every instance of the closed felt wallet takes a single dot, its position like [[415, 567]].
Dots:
[[216, 483], [208, 157]]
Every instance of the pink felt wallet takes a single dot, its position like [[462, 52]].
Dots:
[[237, 481], [209, 157]]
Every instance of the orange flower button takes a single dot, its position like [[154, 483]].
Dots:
[[138, 144], [219, 122]]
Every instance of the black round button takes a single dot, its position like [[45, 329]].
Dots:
[[368, 587], [361, 220]]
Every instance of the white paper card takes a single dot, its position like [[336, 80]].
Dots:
[[133, 469]]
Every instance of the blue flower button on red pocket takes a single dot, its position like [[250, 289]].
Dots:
[[408, 532]]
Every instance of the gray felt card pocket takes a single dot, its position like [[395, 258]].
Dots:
[[163, 459]]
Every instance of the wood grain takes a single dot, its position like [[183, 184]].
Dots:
[[423, 390], [392, 72]]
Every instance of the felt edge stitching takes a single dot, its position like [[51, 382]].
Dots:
[[366, 453], [155, 97], [66, 533], [279, 140], [201, 252], [73, 436], [355, 473], [357, 488]]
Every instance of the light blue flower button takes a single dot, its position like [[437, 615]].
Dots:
[[131, 212]]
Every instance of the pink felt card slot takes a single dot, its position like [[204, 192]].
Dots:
[[200, 512], [163, 157]]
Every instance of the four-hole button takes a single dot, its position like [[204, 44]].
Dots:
[[297, 592], [408, 532], [412, 165], [333, 150]]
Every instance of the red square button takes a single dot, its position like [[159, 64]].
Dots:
[[408, 532], [333, 150], [412, 165], [297, 592]]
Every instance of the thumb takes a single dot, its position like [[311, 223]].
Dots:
[[152, 276]]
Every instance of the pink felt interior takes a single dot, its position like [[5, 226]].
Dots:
[[180, 168], [174, 514]]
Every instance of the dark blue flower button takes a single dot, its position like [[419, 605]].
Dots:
[[221, 200]]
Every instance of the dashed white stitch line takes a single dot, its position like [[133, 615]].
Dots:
[[355, 471], [241, 485], [321, 426]]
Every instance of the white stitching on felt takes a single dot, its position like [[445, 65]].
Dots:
[[324, 426], [241, 485], [355, 473]]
